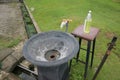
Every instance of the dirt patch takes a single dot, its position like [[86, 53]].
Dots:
[[116, 52], [109, 34], [11, 22], [116, 1]]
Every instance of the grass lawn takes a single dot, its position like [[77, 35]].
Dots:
[[105, 15], [8, 42]]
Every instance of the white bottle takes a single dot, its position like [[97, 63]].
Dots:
[[87, 23]]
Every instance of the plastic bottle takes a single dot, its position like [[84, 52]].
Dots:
[[87, 23]]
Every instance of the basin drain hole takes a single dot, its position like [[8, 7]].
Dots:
[[52, 55]]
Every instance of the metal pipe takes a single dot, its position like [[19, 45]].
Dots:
[[110, 47]]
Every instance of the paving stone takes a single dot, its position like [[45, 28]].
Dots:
[[5, 52], [8, 76], [3, 75], [12, 77], [9, 0], [9, 63], [18, 51]]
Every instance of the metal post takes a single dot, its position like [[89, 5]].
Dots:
[[80, 40], [70, 65], [93, 49], [66, 30], [105, 57], [87, 59]]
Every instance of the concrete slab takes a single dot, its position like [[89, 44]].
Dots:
[[5, 52], [8, 76], [9, 63]]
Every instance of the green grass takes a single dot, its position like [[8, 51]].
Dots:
[[106, 16], [8, 42]]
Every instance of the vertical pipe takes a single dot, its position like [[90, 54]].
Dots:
[[66, 30]]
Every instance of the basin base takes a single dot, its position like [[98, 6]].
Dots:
[[60, 72]]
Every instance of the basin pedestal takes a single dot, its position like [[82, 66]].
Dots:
[[51, 52]]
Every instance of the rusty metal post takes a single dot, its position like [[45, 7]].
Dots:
[[110, 47]]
